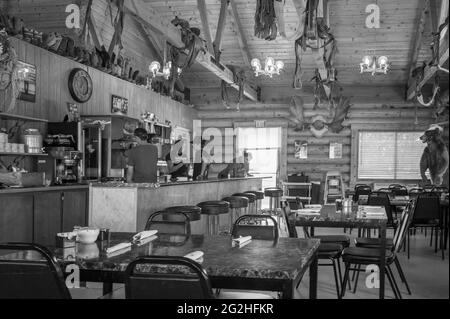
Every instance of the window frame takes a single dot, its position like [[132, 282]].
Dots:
[[356, 129]]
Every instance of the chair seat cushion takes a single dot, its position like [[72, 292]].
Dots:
[[330, 250], [273, 192], [372, 242], [259, 195], [364, 255], [251, 197], [193, 212], [243, 295], [214, 207], [237, 201], [337, 239]]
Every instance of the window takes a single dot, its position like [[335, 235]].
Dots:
[[389, 155]]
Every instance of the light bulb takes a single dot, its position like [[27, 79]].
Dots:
[[256, 64], [154, 67], [382, 61], [279, 65], [270, 61], [367, 60]]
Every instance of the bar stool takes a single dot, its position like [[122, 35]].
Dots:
[[259, 198], [212, 210], [275, 195], [236, 205], [251, 202], [193, 212]]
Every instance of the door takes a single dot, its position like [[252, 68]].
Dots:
[[263, 146], [47, 217], [74, 209]]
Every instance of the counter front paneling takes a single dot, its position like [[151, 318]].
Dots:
[[126, 207]]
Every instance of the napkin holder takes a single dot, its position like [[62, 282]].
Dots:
[[63, 240]]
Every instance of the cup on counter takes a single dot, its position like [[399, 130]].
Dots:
[[14, 147], [8, 148]]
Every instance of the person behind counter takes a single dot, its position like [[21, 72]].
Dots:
[[142, 160], [176, 167]]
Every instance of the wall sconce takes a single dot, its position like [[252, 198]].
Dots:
[[271, 67], [373, 64]]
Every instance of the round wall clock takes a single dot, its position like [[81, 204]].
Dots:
[[80, 85]]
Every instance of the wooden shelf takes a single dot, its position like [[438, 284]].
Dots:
[[8, 116], [22, 154]]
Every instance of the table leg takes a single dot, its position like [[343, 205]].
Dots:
[[107, 288], [382, 259], [313, 277]]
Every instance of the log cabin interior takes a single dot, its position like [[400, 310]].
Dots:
[[204, 129]]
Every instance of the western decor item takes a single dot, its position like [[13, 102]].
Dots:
[[301, 149], [435, 156], [27, 81], [8, 71], [335, 150], [80, 85], [119, 105]]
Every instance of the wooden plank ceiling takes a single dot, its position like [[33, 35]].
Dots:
[[399, 20]]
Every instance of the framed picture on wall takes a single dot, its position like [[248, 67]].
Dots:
[[335, 150], [119, 104], [301, 149], [26, 81]]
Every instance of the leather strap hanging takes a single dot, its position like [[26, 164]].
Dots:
[[118, 28]]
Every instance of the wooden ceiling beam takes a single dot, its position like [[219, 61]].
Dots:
[[201, 6], [242, 40], [220, 27], [143, 13]]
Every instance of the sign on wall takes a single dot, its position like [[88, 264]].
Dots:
[[301, 149], [335, 150], [119, 105], [27, 81]]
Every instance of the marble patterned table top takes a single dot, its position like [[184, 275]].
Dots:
[[284, 259]]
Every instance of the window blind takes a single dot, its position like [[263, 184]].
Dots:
[[389, 155]]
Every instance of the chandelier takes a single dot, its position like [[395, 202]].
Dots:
[[373, 64], [155, 66], [271, 67]]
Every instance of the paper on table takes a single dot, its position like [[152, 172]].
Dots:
[[316, 206], [145, 240], [376, 210], [196, 255], [117, 247], [242, 240], [144, 234]]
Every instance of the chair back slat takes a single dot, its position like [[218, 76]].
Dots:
[[403, 226], [381, 199], [166, 277], [428, 208], [361, 190], [289, 219], [257, 226], [22, 277], [169, 223]]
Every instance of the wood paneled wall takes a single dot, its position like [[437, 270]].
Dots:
[[53, 92], [371, 105]]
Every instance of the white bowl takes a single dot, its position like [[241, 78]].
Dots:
[[87, 235]]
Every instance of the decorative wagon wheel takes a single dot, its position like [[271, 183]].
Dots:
[[80, 85]]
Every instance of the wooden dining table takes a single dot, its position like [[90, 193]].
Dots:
[[329, 217], [259, 265]]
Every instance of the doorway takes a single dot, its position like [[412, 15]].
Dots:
[[264, 147]]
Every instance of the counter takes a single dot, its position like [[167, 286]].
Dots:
[[19, 190], [126, 207]]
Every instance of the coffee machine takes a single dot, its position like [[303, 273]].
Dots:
[[75, 152]]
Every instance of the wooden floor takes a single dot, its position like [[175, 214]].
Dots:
[[426, 272]]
